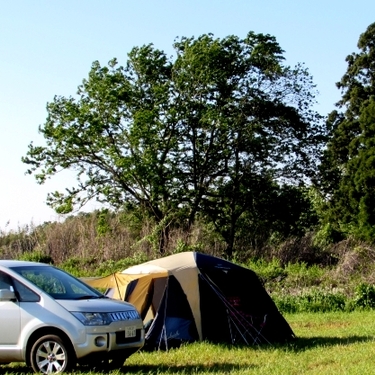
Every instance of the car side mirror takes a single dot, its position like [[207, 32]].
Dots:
[[7, 295]]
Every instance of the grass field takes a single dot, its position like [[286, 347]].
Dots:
[[329, 343]]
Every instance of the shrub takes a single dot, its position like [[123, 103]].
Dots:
[[312, 300], [267, 271], [302, 275], [36, 256], [364, 296]]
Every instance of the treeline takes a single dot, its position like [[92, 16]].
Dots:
[[218, 147]]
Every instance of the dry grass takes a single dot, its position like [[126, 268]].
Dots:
[[102, 237]]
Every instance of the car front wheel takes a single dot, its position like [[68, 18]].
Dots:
[[50, 355]]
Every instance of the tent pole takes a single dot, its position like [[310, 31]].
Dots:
[[230, 327], [118, 287], [164, 330]]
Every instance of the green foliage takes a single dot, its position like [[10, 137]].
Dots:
[[205, 133], [348, 166], [327, 235], [364, 296], [303, 275], [296, 214], [326, 300], [267, 271], [182, 246], [89, 267], [79, 267], [311, 300], [111, 266], [36, 256], [103, 226], [291, 276]]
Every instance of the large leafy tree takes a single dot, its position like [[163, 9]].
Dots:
[[119, 135], [348, 167], [247, 123], [204, 133]]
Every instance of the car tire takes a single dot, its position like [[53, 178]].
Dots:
[[51, 355]]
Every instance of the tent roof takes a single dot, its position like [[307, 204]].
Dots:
[[171, 264]]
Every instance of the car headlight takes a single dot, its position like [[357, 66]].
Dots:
[[93, 318]]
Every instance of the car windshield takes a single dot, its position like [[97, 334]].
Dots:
[[57, 283]]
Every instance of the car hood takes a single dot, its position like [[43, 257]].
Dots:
[[95, 305]]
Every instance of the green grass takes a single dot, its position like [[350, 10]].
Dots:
[[330, 343]]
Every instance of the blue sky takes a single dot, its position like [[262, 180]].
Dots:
[[47, 48]]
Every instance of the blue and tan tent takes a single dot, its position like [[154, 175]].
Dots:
[[192, 296]]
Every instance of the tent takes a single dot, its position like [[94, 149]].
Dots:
[[192, 296]]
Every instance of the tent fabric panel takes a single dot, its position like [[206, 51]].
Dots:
[[252, 315], [122, 280], [106, 282], [142, 293], [130, 288], [237, 324], [144, 268], [160, 284], [214, 319], [116, 283], [188, 279], [183, 267], [165, 332], [174, 262]]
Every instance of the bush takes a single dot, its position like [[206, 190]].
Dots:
[[267, 271], [313, 300], [364, 296], [36, 256], [302, 275]]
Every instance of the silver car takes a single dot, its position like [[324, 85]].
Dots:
[[53, 321]]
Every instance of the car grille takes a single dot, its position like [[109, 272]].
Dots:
[[124, 315]]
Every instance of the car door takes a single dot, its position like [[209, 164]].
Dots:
[[10, 318]]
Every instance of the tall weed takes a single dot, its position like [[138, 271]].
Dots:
[[312, 300]]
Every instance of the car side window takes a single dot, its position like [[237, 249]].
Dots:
[[24, 294], [5, 281]]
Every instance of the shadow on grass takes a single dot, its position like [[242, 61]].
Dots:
[[306, 343], [214, 368]]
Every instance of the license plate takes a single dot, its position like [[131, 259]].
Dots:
[[130, 331]]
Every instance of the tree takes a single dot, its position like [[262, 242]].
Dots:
[[119, 135], [180, 136], [248, 122], [348, 165]]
